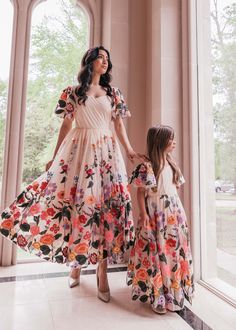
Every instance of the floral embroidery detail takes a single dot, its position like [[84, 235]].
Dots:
[[119, 106], [66, 104], [143, 176], [160, 267], [78, 211]]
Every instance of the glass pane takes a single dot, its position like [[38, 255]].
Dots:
[[6, 20], [221, 234], [59, 38]]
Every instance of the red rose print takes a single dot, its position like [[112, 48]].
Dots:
[[141, 244], [171, 242], [65, 167], [43, 185], [51, 211], [21, 241], [73, 191], [82, 218]]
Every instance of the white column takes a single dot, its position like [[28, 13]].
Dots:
[[16, 113]]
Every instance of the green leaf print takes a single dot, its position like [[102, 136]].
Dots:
[[81, 259], [130, 282], [66, 212], [45, 249], [163, 258], [147, 249], [149, 271], [138, 266], [25, 227], [174, 268], [181, 252], [59, 259], [14, 236], [57, 216], [167, 203], [90, 185], [176, 302], [36, 219], [58, 251], [5, 232], [63, 179], [128, 208], [95, 244], [178, 245], [96, 218], [5, 215], [43, 232], [106, 225], [89, 222], [143, 298], [142, 286], [57, 236]]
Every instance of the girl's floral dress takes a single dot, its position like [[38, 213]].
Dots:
[[160, 267], [80, 209]]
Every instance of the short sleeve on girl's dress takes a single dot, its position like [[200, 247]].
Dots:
[[143, 176], [119, 108], [181, 180], [66, 104]]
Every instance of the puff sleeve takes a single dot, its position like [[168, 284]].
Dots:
[[66, 104], [181, 180], [119, 107], [143, 176]]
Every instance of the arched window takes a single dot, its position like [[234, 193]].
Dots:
[[59, 38]]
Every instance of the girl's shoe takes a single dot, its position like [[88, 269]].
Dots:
[[159, 310], [104, 296], [72, 282]]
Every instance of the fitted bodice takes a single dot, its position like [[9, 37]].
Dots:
[[95, 113], [165, 185]]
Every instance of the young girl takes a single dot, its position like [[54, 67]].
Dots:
[[160, 266]]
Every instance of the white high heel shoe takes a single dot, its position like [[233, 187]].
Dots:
[[72, 282], [102, 295]]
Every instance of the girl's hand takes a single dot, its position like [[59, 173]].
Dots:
[[49, 164], [144, 219]]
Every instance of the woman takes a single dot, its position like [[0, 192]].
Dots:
[[79, 210]]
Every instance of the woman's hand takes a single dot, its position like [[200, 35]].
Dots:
[[131, 155], [144, 219], [49, 164]]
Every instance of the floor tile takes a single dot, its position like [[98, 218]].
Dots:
[[35, 316]]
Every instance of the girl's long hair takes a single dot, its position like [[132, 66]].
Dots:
[[85, 74], [158, 139]]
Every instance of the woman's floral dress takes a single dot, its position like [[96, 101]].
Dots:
[[160, 266], [80, 209]]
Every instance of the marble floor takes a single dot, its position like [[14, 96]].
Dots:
[[36, 296]]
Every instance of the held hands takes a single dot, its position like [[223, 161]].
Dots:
[[131, 155]]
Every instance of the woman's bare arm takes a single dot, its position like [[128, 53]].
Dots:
[[64, 130]]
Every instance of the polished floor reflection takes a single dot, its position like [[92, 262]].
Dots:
[[42, 299]]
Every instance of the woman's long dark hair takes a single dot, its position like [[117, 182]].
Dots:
[[85, 74], [158, 139]]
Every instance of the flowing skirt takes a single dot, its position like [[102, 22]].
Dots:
[[80, 209]]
